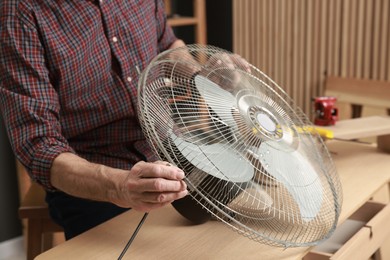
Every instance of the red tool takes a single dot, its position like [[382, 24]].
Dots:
[[325, 111]]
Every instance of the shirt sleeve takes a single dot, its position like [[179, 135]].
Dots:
[[28, 102], [166, 36]]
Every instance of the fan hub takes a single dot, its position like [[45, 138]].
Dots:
[[259, 116], [265, 123]]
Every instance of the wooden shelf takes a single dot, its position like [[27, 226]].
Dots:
[[182, 21], [198, 20]]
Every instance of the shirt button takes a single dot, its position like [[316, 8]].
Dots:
[[114, 39], [129, 79]]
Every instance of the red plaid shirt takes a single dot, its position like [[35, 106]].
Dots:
[[68, 81]]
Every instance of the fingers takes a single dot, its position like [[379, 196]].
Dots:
[[160, 185], [241, 62], [151, 200], [161, 198], [230, 61], [158, 169], [160, 176], [163, 163]]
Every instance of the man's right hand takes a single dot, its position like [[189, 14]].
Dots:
[[149, 186]]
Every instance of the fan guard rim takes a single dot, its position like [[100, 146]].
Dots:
[[333, 181]]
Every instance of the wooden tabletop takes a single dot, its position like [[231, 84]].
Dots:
[[166, 235]]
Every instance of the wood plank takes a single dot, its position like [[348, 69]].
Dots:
[[376, 39], [182, 21], [329, 37], [247, 31], [295, 50], [253, 35], [387, 77], [271, 39], [359, 40], [315, 63], [200, 26], [351, 63], [385, 35], [266, 31], [338, 38], [236, 23], [288, 46], [360, 127], [280, 42], [258, 48], [322, 49], [264, 49], [368, 39], [309, 54], [345, 37], [168, 7]]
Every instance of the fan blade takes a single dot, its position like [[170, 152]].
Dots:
[[218, 160], [298, 175], [221, 101]]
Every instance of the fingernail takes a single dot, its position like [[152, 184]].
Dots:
[[180, 173], [184, 185]]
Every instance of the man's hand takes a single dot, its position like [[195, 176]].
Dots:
[[225, 70], [150, 185]]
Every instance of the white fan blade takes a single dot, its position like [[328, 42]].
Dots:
[[220, 100], [297, 174], [218, 160]]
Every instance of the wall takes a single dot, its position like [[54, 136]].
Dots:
[[298, 42], [220, 23]]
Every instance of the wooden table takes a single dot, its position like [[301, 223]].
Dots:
[[166, 235]]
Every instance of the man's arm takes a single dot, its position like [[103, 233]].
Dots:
[[145, 187], [31, 109]]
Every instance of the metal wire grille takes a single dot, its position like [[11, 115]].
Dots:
[[252, 158]]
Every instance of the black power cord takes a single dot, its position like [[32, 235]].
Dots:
[[133, 236]]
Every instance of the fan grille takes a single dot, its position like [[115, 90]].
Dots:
[[249, 155]]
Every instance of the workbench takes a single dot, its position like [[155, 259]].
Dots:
[[363, 170]]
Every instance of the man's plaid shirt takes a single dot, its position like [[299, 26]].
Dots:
[[68, 80]]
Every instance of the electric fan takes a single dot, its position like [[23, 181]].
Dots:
[[252, 158]]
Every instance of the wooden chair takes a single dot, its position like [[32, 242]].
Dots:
[[40, 227]]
